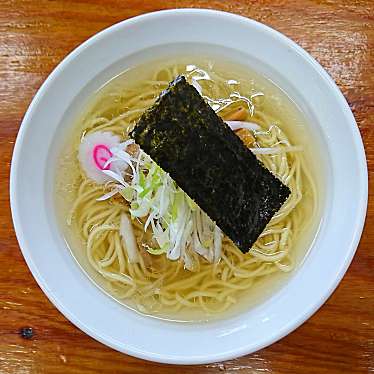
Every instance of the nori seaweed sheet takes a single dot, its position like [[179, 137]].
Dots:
[[186, 138]]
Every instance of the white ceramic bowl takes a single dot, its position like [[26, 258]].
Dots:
[[140, 39]]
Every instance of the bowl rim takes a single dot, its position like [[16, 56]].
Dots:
[[289, 327]]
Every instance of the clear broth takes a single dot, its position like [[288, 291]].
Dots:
[[246, 81]]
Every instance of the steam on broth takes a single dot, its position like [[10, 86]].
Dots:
[[115, 239]]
